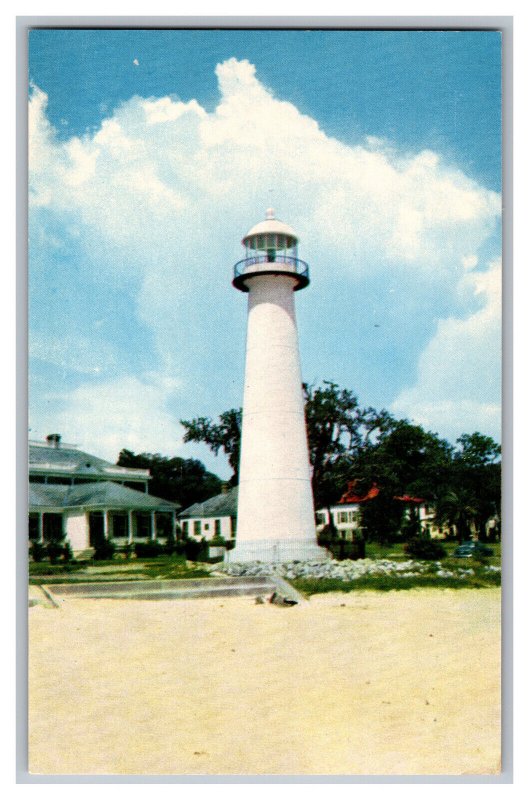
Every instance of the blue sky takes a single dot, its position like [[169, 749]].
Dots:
[[153, 152]]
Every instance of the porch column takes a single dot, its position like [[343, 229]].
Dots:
[[153, 525], [41, 527], [105, 523], [130, 526]]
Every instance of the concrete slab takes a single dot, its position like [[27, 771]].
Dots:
[[174, 589]]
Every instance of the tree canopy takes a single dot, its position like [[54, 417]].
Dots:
[[349, 442], [181, 480], [222, 435]]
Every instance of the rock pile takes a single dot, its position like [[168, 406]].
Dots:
[[344, 570], [340, 570]]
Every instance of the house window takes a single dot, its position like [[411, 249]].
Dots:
[[185, 528], [143, 525], [120, 526], [164, 524], [320, 518], [53, 529], [196, 527], [206, 526], [217, 527]]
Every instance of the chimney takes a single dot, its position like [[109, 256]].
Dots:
[[225, 488], [54, 439]]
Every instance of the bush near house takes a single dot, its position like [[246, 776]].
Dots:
[[426, 549], [341, 549], [104, 549], [37, 551], [196, 551], [148, 549]]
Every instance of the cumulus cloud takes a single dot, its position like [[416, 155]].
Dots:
[[106, 416], [458, 388], [168, 163], [162, 192]]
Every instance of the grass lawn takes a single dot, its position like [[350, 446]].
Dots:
[[481, 579], [395, 551], [160, 568], [455, 572]]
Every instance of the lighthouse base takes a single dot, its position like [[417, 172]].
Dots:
[[276, 551]]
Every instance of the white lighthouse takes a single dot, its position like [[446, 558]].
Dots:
[[275, 515]]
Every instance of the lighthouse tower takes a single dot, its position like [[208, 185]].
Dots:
[[275, 515]]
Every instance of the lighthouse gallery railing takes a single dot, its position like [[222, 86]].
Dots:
[[299, 267]]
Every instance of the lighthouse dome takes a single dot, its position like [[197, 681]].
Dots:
[[271, 225]]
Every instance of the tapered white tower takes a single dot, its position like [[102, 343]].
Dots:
[[275, 516]]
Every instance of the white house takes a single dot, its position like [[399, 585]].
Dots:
[[82, 496], [213, 518], [347, 513]]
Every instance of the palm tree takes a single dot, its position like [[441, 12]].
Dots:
[[458, 508]]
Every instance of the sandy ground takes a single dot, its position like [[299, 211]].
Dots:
[[364, 683]]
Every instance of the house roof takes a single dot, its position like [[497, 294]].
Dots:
[[63, 456], [96, 495], [69, 460], [222, 505], [351, 496]]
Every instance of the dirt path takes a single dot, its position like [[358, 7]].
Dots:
[[365, 683]]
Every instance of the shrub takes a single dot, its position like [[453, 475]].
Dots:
[[180, 547], [217, 541], [196, 551], [54, 551], [37, 551], [151, 549], [326, 535], [104, 550], [424, 548], [67, 553], [170, 547]]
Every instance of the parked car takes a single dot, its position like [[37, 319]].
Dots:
[[469, 549]]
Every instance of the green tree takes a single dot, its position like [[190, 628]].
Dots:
[[223, 435], [180, 480], [477, 450], [477, 471], [338, 430], [349, 442], [458, 508], [405, 460]]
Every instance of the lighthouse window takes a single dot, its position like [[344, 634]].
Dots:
[[260, 242]]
